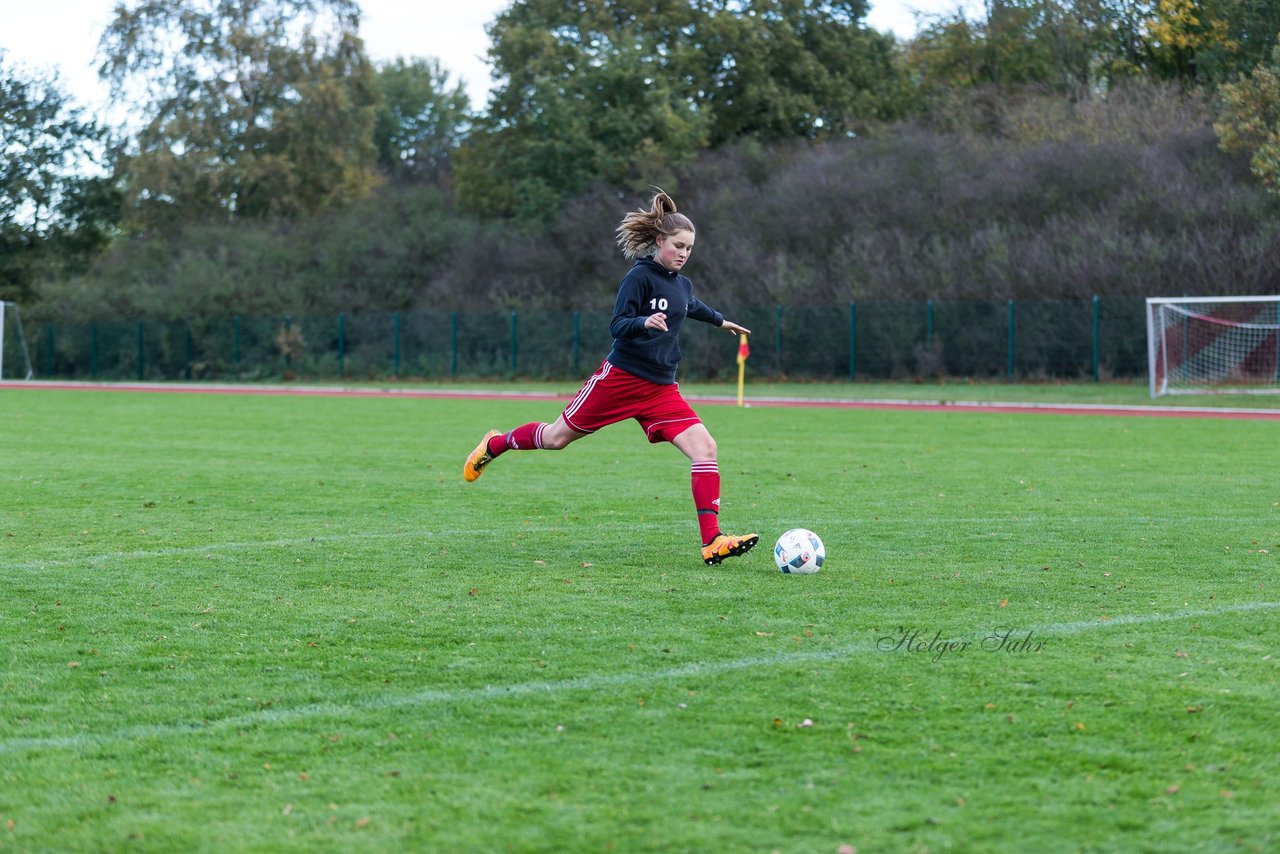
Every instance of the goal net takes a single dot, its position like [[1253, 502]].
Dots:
[[1208, 345], [15, 361]]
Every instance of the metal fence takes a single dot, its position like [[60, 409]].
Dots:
[[1026, 339]]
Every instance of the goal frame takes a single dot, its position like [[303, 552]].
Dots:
[[1157, 357], [22, 340]]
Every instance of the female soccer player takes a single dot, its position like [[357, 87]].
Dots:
[[638, 378]]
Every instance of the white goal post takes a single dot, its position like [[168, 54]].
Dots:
[[13, 344], [1213, 345]]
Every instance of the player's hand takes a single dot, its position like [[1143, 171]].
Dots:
[[735, 328], [656, 321]]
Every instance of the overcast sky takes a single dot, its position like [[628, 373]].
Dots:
[[64, 34]]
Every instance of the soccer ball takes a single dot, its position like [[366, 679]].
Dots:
[[799, 552]]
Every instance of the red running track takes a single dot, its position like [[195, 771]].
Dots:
[[812, 402]]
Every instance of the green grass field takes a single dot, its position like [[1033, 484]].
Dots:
[[254, 623]]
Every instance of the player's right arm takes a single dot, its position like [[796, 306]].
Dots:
[[628, 311]]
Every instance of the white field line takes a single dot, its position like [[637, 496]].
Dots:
[[424, 537], [594, 682], [210, 550], [215, 550], [1132, 409]]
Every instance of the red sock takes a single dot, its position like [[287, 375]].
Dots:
[[705, 477], [526, 437]]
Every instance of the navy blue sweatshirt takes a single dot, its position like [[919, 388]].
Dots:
[[650, 288]]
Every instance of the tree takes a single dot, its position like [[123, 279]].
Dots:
[[51, 214], [250, 108], [1068, 45], [1083, 45], [785, 69], [1189, 39], [1250, 120], [1216, 41], [590, 93], [624, 92], [421, 120]]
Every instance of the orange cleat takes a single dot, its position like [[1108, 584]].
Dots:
[[724, 546], [479, 458]]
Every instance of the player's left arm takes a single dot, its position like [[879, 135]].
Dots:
[[699, 310]]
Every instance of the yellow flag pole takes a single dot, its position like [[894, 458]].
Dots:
[[742, 368]]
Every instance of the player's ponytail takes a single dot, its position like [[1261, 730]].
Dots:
[[640, 229]]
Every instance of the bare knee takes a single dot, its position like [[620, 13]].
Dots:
[[554, 442], [557, 436], [698, 445]]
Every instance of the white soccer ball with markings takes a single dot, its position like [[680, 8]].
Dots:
[[799, 552]]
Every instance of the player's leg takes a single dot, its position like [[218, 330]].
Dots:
[[696, 443], [534, 436], [594, 406]]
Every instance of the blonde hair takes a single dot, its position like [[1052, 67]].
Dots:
[[640, 229]]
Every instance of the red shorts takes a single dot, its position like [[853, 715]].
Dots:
[[611, 395]]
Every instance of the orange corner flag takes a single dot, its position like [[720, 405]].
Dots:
[[743, 350]]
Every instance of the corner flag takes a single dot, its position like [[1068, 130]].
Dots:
[[743, 352]]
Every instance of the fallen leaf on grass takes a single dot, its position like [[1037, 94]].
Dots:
[[1171, 790], [363, 821], [584, 564], [1004, 602]]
